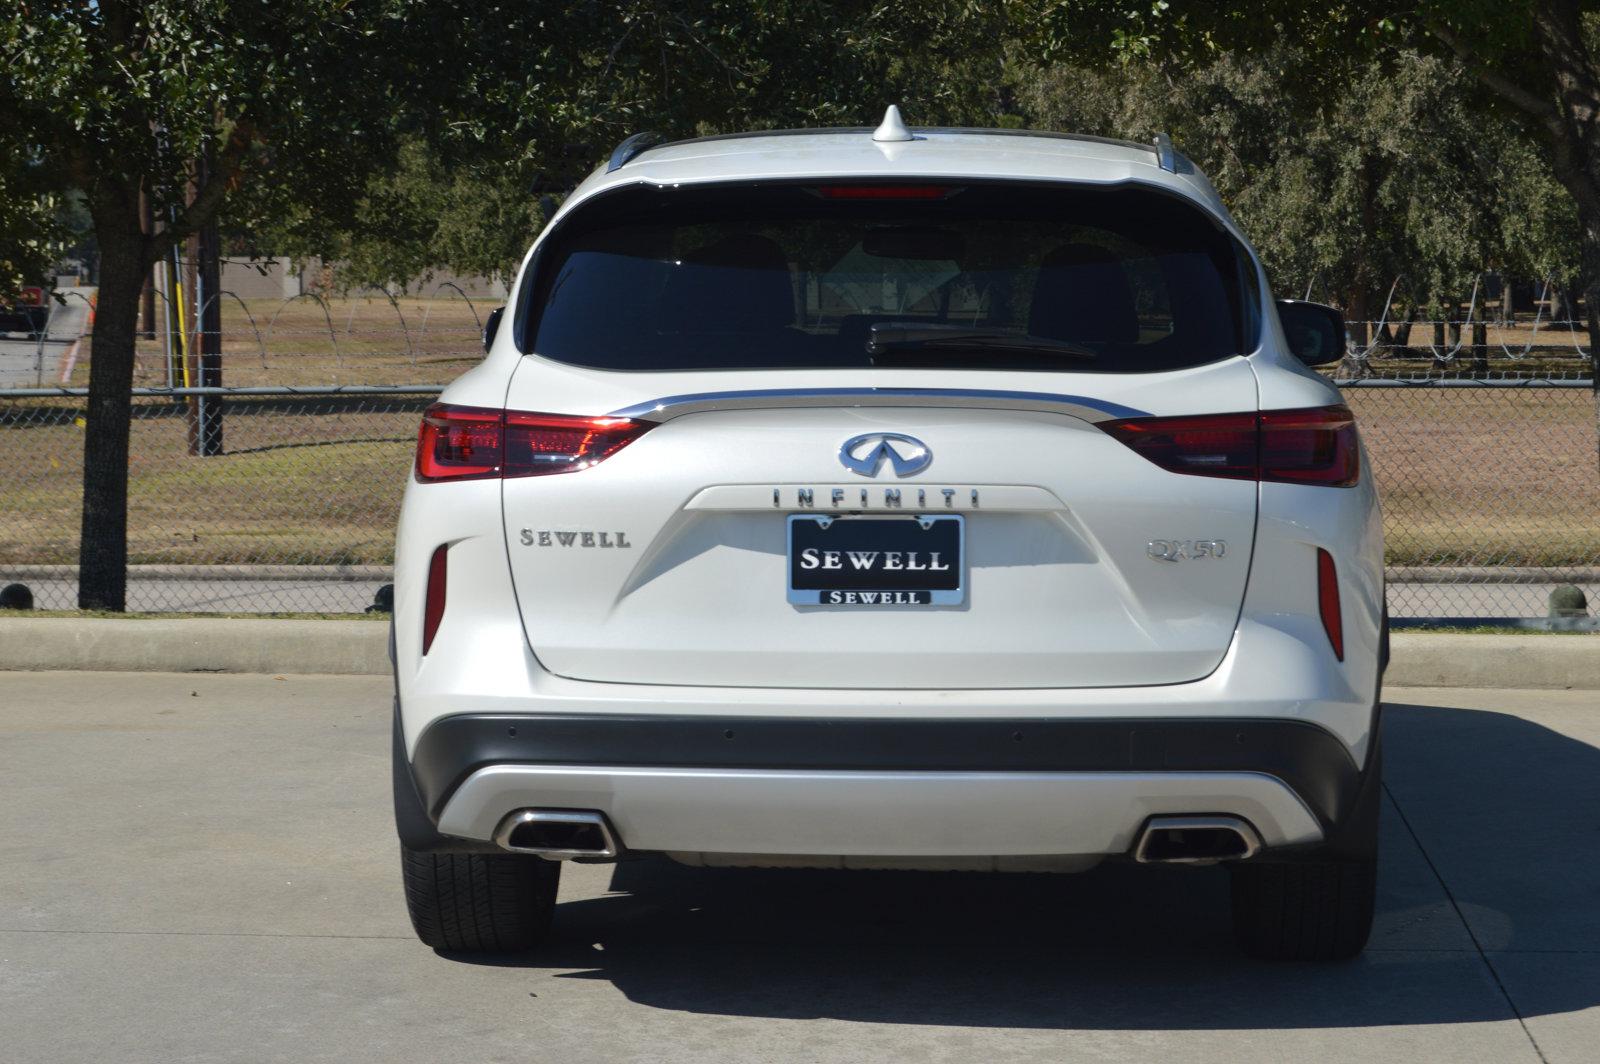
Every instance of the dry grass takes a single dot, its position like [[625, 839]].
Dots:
[[1485, 476], [300, 484], [1468, 476], [360, 340]]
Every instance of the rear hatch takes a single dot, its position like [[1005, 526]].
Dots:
[[869, 445]]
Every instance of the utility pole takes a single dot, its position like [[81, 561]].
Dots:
[[208, 293], [191, 302], [147, 298]]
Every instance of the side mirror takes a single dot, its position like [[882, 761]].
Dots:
[[1315, 332], [492, 326]]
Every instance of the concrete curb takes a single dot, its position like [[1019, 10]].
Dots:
[[1420, 659], [1454, 659], [194, 645]]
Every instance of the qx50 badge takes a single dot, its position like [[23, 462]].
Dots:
[[1182, 550], [865, 454]]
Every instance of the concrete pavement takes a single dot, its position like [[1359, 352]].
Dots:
[[201, 867], [30, 364]]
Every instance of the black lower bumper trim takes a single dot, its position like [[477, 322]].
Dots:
[[1309, 759]]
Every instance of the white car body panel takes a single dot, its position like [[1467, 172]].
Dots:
[[692, 621], [699, 596]]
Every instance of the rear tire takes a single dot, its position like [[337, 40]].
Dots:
[[479, 903], [1304, 911]]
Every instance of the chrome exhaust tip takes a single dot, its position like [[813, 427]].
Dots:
[[558, 834], [1196, 840]]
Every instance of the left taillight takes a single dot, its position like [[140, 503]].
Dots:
[[471, 443]]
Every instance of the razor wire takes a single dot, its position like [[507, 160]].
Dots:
[[1360, 353]]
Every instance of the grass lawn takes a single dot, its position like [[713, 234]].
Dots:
[[359, 340], [296, 487], [1468, 476]]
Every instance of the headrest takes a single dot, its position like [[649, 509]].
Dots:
[[1082, 295]]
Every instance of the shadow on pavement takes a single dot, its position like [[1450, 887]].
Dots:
[[1126, 947]]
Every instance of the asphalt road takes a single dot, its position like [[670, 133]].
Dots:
[[27, 363], [201, 867]]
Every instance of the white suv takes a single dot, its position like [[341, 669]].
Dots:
[[935, 498]]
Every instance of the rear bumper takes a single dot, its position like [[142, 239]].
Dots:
[[884, 787]]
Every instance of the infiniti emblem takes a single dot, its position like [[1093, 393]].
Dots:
[[864, 454]]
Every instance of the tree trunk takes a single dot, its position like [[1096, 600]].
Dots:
[[103, 542]]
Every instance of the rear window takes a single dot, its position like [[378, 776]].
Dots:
[[1005, 277]]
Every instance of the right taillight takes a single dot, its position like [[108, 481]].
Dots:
[[471, 443], [1316, 446], [1311, 446]]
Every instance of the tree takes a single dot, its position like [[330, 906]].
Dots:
[[299, 108], [1397, 173], [34, 231], [582, 76], [1535, 61], [122, 98]]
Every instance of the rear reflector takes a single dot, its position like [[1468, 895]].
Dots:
[[433, 604], [1328, 602], [471, 443], [1313, 446]]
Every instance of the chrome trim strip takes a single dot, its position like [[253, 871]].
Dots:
[[1080, 406]]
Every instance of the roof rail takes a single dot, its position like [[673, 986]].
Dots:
[[624, 152], [1166, 154]]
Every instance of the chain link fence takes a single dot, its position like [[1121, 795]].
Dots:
[[296, 514], [1491, 494], [1482, 436], [1491, 491]]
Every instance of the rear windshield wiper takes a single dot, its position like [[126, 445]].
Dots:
[[893, 336]]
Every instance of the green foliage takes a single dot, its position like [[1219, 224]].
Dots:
[[411, 220], [531, 118], [121, 98], [34, 229], [1384, 166]]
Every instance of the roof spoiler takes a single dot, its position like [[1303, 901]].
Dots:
[[1168, 157], [624, 153]]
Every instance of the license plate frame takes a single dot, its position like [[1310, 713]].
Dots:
[[897, 591]]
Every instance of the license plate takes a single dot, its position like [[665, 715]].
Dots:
[[877, 561]]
